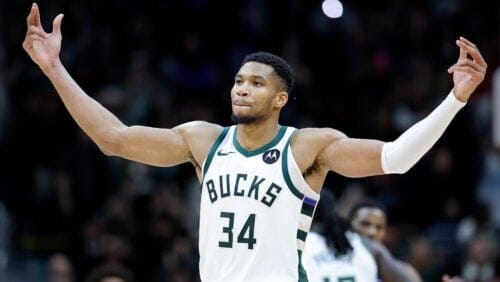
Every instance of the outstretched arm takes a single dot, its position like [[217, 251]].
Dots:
[[389, 268], [154, 146], [361, 157]]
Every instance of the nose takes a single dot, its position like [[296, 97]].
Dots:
[[242, 91], [371, 232]]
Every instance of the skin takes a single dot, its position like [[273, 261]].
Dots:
[[389, 268], [256, 92], [370, 222]]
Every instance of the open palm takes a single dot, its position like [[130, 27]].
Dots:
[[42, 47]]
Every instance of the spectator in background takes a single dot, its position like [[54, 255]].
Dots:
[[60, 268], [480, 260], [110, 273]]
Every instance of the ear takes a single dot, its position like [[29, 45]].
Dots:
[[281, 99]]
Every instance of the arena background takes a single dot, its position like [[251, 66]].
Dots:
[[67, 208]]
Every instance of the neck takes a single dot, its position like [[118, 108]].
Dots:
[[255, 135]]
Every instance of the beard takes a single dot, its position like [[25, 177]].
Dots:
[[244, 119]]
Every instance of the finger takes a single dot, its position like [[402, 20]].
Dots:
[[463, 51], [30, 19], [468, 42], [56, 25], [37, 30], [464, 69], [472, 50], [37, 15], [35, 37], [471, 64], [475, 75]]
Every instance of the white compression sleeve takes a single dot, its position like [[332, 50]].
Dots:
[[400, 155]]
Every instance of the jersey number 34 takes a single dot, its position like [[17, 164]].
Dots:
[[246, 234]]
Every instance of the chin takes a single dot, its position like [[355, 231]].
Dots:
[[241, 119]]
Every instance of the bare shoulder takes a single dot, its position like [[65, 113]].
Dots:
[[199, 136], [196, 129], [307, 145], [315, 139]]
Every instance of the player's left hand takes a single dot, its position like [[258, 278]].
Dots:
[[468, 71]]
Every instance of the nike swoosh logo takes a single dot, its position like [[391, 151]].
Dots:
[[220, 153]]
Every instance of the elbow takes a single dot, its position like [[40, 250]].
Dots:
[[396, 167], [106, 152], [109, 142], [393, 161], [399, 170]]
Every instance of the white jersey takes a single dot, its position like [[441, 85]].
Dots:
[[256, 211], [322, 266]]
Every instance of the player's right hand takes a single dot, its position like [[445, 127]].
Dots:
[[469, 71], [43, 48]]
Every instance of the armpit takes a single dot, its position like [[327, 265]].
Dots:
[[314, 168]]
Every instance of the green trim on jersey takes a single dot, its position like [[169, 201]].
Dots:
[[302, 235], [262, 149], [302, 271], [211, 153], [286, 174], [307, 210]]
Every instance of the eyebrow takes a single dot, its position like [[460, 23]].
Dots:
[[251, 76]]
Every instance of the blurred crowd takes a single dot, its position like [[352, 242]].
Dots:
[[68, 213]]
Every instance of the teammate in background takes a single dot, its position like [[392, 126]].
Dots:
[[369, 218], [337, 254], [260, 181]]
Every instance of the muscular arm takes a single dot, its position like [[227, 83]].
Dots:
[[153, 146], [188, 142], [359, 157], [110, 134]]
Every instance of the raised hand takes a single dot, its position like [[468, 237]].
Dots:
[[42, 47], [468, 72]]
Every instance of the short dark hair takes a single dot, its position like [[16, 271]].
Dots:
[[367, 203], [280, 66]]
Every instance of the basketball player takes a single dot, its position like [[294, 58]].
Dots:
[[336, 253], [260, 181], [369, 218]]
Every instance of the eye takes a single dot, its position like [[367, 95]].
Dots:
[[238, 81], [365, 224], [258, 83]]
